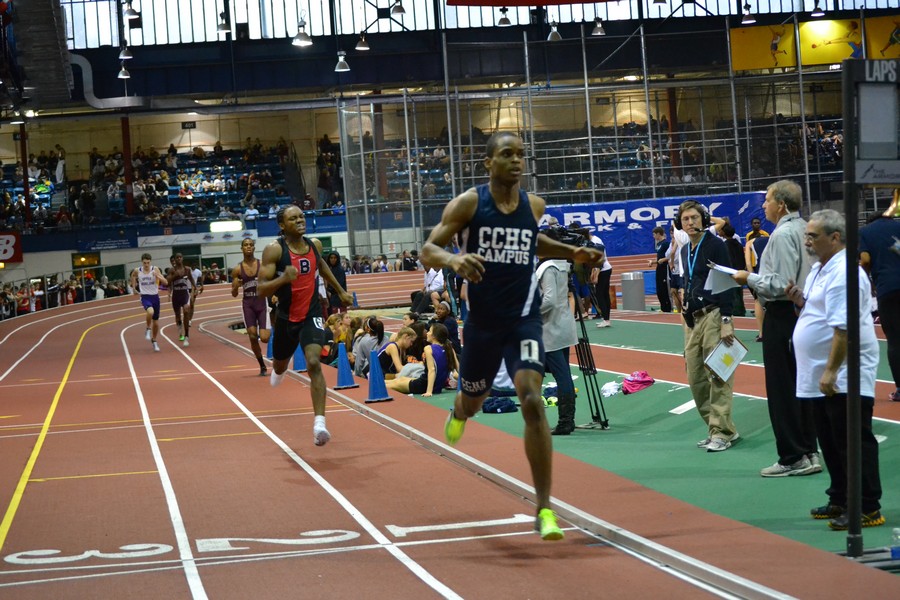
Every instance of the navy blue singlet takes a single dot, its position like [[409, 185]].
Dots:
[[508, 243]]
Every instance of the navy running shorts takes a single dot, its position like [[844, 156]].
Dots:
[[519, 342]]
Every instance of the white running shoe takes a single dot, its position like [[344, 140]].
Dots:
[[275, 379], [320, 435], [155, 347], [147, 335], [186, 343], [603, 323]]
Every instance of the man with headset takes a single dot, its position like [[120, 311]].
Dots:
[[708, 320]]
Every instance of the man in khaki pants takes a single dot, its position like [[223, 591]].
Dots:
[[708, 319]]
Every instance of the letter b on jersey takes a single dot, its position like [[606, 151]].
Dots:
[[304, 266]]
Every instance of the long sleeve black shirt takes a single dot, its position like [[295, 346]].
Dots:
[[710, 248]]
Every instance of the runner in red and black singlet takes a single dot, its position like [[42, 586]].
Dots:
[[290, 268], [256, 315]]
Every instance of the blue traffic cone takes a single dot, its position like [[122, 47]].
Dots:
[[299, 360], [355, 302], [345, 373], [377, 389], [269, 346]]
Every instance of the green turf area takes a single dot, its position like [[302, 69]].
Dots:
[[652, 446]]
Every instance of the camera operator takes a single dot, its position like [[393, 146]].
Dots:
[[559, 332], [559, 335]]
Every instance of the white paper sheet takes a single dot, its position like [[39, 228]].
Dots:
[[723, 361], [718, 281]]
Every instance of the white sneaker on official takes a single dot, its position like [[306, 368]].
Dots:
[[603, 323], [147, 335], [815, 462], [186, 343], [155, 347], [275, 379], [801, 467]]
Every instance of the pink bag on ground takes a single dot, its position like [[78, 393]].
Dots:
[[636, 382]]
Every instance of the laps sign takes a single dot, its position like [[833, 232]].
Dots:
[[10, 247]]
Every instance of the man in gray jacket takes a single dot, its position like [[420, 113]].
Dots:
[[559, 335]]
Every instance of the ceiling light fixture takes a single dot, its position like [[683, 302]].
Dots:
[[130, 13], [125, 54], [817, 11], [554, 34], [17, 119], [362, 45], [598, 27], [341, 66], [302, 38], [397, 10], [504, 20], [223, 24], [659, 1], [123, 72], [747, 19]]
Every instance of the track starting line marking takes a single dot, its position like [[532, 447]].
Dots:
[[399, 531]]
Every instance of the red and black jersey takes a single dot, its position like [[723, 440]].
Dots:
[[301, 298]]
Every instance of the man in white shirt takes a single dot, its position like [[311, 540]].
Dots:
[[432, 292], [676, 277], [820, 346]]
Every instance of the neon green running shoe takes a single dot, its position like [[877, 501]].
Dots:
[[453, 428], [546, 525]]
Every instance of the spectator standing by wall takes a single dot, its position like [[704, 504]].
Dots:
[[784, 262], [820, 341], [661, 263], [879, 245]]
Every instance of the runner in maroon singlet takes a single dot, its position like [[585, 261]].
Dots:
[[256, 315]]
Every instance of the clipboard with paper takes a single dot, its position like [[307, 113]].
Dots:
[[723, 361]]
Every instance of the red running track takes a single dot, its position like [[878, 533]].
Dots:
[[183, 474]]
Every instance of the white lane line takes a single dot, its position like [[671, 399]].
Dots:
[[417, 569], [399, 531], [191, 572], [687, 406]]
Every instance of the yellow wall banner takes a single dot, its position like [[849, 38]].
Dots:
[[821, 43], [764, 47]]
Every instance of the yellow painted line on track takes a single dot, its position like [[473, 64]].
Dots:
[[171, 378], [99, 394], [9, 416], [16, 499], [101, 375], [43, 479], [208, 437], [32, 380], [301, 411]]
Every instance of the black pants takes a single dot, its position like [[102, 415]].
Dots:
[[831, 426], [792, 419], [662, 288], [889, 313], [602, 292]]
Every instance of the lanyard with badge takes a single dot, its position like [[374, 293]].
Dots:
[[691, 261]]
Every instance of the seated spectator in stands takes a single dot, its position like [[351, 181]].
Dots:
[[444, 316], [63, 218], [225, 212], [198, 152], [251, 213], [338, 208], [381, 265], [273, 210], [372, 339], [392, 356], [432, 292], [365, 265], [176, 217], [440, 363]]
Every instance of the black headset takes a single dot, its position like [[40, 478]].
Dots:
[[705, 219]]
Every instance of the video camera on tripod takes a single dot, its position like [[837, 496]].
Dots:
[[580, 237]]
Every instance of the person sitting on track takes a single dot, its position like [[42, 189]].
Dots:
[[440, 364]]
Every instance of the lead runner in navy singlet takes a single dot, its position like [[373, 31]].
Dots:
[[499, 224]]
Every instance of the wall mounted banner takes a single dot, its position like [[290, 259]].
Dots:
[[10, 247], [626, 227], [821, 43], [158, 241]]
